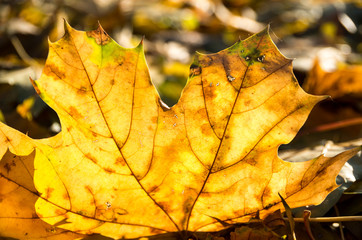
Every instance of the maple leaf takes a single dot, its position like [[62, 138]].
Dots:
[[125, 165]]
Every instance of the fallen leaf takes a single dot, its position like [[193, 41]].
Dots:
[[346, 81], [255, 233], [274, 220], [125, 165], [272, 227]]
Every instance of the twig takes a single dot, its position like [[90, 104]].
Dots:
[[330, 219], [337, 125], [25, 56], [21, 51], [340, 223]]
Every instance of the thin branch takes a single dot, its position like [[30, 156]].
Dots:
[[330, 219], [37, 68], [337, 125]]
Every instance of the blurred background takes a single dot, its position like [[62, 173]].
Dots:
[[323, 36]]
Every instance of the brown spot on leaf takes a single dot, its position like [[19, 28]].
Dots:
[[154, 119], [120, 161], [266, 192], [247, 102], [152, 189], [48, 192], [206, 194], [82, 90], [195, 70], [120, 211], [209, 92], [91, 157], [206, 61], [188, 204], [8, 166], [74, 113], [66, 196], [109, 170], [99, 35], [250, 161], [53, 70], [164, 205], [59, 212]]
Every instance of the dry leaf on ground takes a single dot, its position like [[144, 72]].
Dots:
[[343, 82]]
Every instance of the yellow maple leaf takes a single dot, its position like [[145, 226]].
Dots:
[[126, 166]]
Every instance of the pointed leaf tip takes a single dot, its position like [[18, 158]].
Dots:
[[66, 25], [99, 25], [101, 30], [267, 27], [141, 42], [34, 85]]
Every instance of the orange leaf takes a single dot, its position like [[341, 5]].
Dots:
[[344, 82]]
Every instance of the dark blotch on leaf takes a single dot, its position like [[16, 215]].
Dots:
[[90, 157], [261, 58], [195, 70], [8, 167], [231, 78], [49, 191], [109, 170], [100, 36], [74, 113]]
